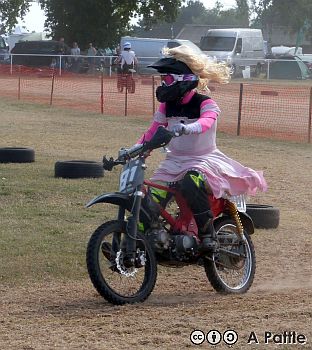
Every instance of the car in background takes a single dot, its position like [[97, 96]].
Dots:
[[237, 47], [288, 67], [41, 53]]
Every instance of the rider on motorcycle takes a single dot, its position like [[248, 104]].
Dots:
[[194, 161], [127, 59]]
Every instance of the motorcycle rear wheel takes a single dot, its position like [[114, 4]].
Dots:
[[230, 274], [110, 276]]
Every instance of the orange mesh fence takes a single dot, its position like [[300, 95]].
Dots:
[[264, 110], [77, 93], [281, 112], [37, 90], [227, 98]]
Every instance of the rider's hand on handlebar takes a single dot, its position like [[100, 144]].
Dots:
[[180, 129]]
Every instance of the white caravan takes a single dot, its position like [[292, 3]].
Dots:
[[238, 47]]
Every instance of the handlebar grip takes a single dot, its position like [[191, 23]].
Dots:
[[108, 164]]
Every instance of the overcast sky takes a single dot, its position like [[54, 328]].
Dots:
[[34, 20]]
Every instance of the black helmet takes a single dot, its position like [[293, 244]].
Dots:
[[170, 65]]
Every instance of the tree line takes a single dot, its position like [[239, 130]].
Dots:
[[104, 21]]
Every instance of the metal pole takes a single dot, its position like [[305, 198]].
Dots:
[[126, 97], [52, 89], [153, 92], [60, 70], [310, 116], [102, 92], [19, 88], [110, 65], [239, 117], [11, 62], [268, 70]]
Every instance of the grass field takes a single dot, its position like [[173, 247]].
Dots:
[[47, 300]]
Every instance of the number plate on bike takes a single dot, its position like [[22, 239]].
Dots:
[[131, 176], [240, 202]]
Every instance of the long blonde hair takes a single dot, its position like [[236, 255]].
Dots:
[[205, 68]]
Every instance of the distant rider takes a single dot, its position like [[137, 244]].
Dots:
[[127, 59]]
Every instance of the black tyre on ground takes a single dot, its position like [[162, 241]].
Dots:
[[74, 169], [231, 270], [263, 216], [117, 282], [17, 155]]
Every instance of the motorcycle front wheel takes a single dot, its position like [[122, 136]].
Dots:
[[110, 272], [231, 269]]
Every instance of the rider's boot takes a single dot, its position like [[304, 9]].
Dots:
[[207, 235], [194, 190]]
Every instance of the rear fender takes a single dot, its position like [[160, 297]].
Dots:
[[115, 198], [247, 222], [245, 219]]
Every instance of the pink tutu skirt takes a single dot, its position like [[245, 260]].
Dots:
[[223, 174]]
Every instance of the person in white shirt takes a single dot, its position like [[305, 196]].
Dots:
[[127, 59], [75, 51]]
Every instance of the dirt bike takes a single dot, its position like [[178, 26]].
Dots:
[[122, 254], [126, 80]]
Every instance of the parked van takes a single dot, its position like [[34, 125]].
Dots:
[[148, 50], [238, 47]]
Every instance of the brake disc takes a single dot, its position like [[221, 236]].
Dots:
[[128, 272]]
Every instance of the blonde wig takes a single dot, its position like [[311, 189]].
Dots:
[[204, 67]]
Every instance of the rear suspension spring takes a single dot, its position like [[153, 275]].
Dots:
[[234, 214]]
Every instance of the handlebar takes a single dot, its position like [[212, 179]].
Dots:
[[123, 155], [161, 138]]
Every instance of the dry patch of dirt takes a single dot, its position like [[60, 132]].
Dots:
[[73, 316]]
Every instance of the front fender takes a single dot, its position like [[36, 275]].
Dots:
[[115, 198]]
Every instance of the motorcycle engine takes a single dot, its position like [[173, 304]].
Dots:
[[159, 239], [185, 247], [179, 247]]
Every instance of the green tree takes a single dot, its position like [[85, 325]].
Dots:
[[292, 14], [242, 12], [186, 14], [101, 22], [236, 16], [10, 10], [194, 12]]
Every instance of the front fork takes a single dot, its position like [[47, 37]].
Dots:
[[128, 245], [117, 235]]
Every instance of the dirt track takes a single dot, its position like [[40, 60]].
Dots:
[[70, 315], [73, 316]]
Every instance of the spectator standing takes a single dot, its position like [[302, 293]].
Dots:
[[91, 53], [75, 51], [62, 51]]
